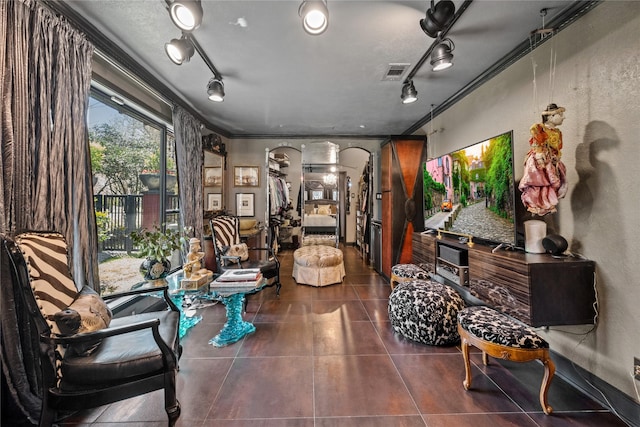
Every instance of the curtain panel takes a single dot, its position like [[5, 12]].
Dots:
[[45, 172], [189, 161]]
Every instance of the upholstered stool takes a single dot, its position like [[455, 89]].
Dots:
[[318, 265], [407, 272], [504, 337], [425, 311]]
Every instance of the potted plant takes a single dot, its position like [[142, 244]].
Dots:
[[156, 246], [150, 175]]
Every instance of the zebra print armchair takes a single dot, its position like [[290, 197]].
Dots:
[[62, 351], [231, 253]]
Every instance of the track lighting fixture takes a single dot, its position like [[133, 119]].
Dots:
[[438, 18], [409, 93], [186, 14], [441, 55], [179, 50], [315, 16], [215, 89]]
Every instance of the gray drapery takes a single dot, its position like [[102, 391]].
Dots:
[[45, 172], [189, 159]]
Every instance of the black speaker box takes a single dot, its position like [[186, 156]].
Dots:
[[454, 255]]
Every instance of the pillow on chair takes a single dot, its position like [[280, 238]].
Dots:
[[87, 313], [240, 250]]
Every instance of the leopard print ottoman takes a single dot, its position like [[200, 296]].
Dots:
[[407, 272], [425, 311]]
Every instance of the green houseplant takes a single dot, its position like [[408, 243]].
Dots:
[[156, 246]]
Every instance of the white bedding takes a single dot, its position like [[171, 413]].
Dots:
[[316, 220]]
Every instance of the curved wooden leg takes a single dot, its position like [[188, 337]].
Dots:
[[549, 371], [467, 365]]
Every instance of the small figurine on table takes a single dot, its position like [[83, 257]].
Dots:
[[544, 181], [195, 275]]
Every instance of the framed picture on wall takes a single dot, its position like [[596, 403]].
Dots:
[[214, 201], [213, 176], [245, 204], [246, 176]]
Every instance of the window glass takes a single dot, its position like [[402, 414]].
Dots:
[[130, 154]]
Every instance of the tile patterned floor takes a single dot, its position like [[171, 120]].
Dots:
[[327, 357]]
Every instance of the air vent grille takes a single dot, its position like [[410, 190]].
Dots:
[[395, 71]]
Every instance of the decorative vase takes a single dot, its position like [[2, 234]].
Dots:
[[534, 231], [154, 269]]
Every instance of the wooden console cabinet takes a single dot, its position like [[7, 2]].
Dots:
[[538, 289]]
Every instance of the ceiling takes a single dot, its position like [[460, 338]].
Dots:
[[281, 82]]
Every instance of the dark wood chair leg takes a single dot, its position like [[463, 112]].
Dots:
[[171, 404]]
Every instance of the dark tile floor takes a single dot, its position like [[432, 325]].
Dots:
[[327, 357]]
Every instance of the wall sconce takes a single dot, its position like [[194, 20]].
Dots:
[[179, 50], [409, 93], [441, 56], [215, 90], [315, 16], [186, 14], [438, 18]]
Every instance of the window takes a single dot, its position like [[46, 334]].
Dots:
[[135, 183]]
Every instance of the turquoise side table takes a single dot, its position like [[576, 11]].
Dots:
[[235, 328]]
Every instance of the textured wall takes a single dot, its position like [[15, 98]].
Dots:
[[596, 79]]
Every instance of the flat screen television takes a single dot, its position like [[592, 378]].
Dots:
[[471, 191]]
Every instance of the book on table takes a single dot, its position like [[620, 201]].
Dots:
[[245, 277]]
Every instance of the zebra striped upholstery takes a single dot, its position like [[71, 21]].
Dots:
[[226, 232], [53, 287]]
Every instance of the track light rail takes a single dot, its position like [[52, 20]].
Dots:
[[441, 36]]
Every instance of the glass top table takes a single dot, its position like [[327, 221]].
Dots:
[[232, 295]]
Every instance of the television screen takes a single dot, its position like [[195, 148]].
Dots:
[[472, 191]]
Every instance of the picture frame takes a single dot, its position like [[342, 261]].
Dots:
[[245, 204], [246, 176], [213, 176], [214, 201]]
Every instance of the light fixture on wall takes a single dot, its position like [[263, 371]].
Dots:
[[409, 93], [215, 89], [179, 50], [315, 16], [186, 14], [438, 18], [441, 55]]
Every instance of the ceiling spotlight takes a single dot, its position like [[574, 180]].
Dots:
[[409, 93], [186, 14], [315, 16], [438, 18], [179, 50], [215, 90], [441, 56]]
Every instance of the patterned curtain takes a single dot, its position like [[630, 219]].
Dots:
[[190, 159], [45, 172]]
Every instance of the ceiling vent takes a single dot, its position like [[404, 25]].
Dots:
[[395, 72]]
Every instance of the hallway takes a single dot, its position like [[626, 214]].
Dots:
[[327, 357]]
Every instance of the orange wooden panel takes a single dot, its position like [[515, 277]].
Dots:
[[409, 153], [406, 252]]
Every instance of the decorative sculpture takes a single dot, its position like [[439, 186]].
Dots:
[[195, 275], [544, 180]]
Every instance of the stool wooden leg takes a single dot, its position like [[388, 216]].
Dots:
[[485, 358], [467, 365], [549, 371]]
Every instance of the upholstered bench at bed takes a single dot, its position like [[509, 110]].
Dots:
[[319, 239], [425, 311], [318, 265], [504, 337], [407, 272]]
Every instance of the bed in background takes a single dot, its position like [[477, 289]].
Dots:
[[320, 223]]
